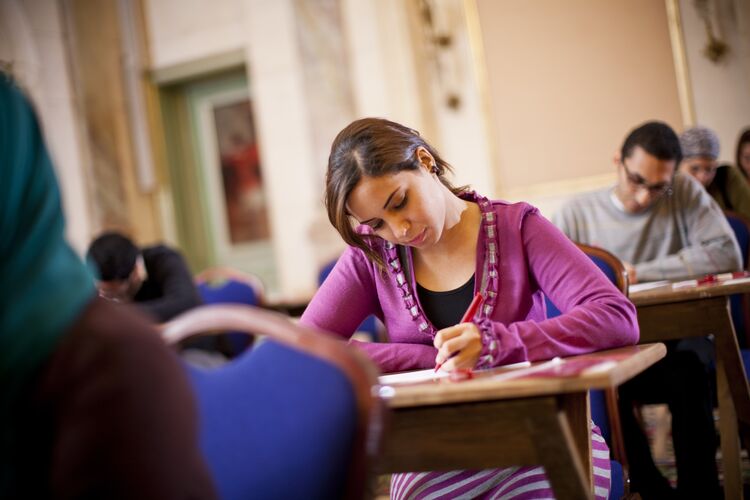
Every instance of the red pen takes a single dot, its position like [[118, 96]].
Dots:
[[468, 315], [717, 278]]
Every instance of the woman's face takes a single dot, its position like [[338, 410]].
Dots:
[[745, 158], [700, 167], [406, 208]]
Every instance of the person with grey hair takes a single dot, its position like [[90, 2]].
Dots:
[[725, 183]]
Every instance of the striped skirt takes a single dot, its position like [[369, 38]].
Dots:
[[518, 483]]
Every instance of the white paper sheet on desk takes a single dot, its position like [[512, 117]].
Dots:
[[720, 279], [429, 374], [648, 285]]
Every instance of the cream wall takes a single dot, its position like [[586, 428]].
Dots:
[[383, 84], [564, 80], [286, 147], [181, 31], [460, 130], [720, 91], [567, 81]]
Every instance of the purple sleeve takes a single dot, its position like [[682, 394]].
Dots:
[[346, 298], [399, 357], [596, 315]]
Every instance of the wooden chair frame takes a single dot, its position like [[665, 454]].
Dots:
[[622, 280]]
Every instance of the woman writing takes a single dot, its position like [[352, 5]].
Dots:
[[419, 250]]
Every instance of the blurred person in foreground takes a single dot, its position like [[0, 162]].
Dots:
[[93, 403], [664, 226], [155, 278]]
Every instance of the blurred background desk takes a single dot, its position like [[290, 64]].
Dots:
[[501, 420], [667, 313]]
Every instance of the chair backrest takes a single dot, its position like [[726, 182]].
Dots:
[[295, 417], [610, 265], [225, 285]]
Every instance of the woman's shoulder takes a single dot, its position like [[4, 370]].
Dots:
[[500, 207], [505, 215], [513, 213], [513, 206]]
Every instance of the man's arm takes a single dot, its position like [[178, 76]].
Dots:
[[564, 220], [169, 270], [711, 244]]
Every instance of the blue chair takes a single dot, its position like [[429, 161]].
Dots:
[[295, 417], [371, 325], [740, 304], [604, 409], [224, 285]]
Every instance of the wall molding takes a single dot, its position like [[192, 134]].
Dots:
[[679, 55], [200, 67]]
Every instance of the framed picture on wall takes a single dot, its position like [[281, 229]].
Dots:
[[244, 200], [230, 176]]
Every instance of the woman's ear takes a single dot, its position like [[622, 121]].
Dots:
[[426, 160]]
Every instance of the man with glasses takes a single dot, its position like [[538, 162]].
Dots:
[[662, 225]]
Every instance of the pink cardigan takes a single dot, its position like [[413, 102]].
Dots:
[[532, 258]]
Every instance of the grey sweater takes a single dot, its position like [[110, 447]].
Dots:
[[683, 235]]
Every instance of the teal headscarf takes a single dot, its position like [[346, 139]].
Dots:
[[43, 284]]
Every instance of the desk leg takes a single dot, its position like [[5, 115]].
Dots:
[[730, 449], [728, 350], [578, 410], [732, 394], [562, 440]]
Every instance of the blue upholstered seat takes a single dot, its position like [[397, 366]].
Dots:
[[276, 423], [228, 291], [290, 418], [220, 285]]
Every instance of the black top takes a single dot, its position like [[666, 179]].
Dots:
[[169, 288], [446, 309]]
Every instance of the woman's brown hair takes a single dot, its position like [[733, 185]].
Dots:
[[372, 147], [744, 139]]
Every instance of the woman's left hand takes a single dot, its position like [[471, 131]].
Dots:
[[463, 342]]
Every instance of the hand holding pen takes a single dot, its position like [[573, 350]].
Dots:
[[459, 346]]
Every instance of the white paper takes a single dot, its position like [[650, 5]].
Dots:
[[412, 377], [429, 374], [648, 285]]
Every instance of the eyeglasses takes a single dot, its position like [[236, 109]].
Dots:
[[116, 291], [640, 183]]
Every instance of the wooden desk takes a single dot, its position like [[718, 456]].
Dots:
[[541, 418], [667, 314]]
